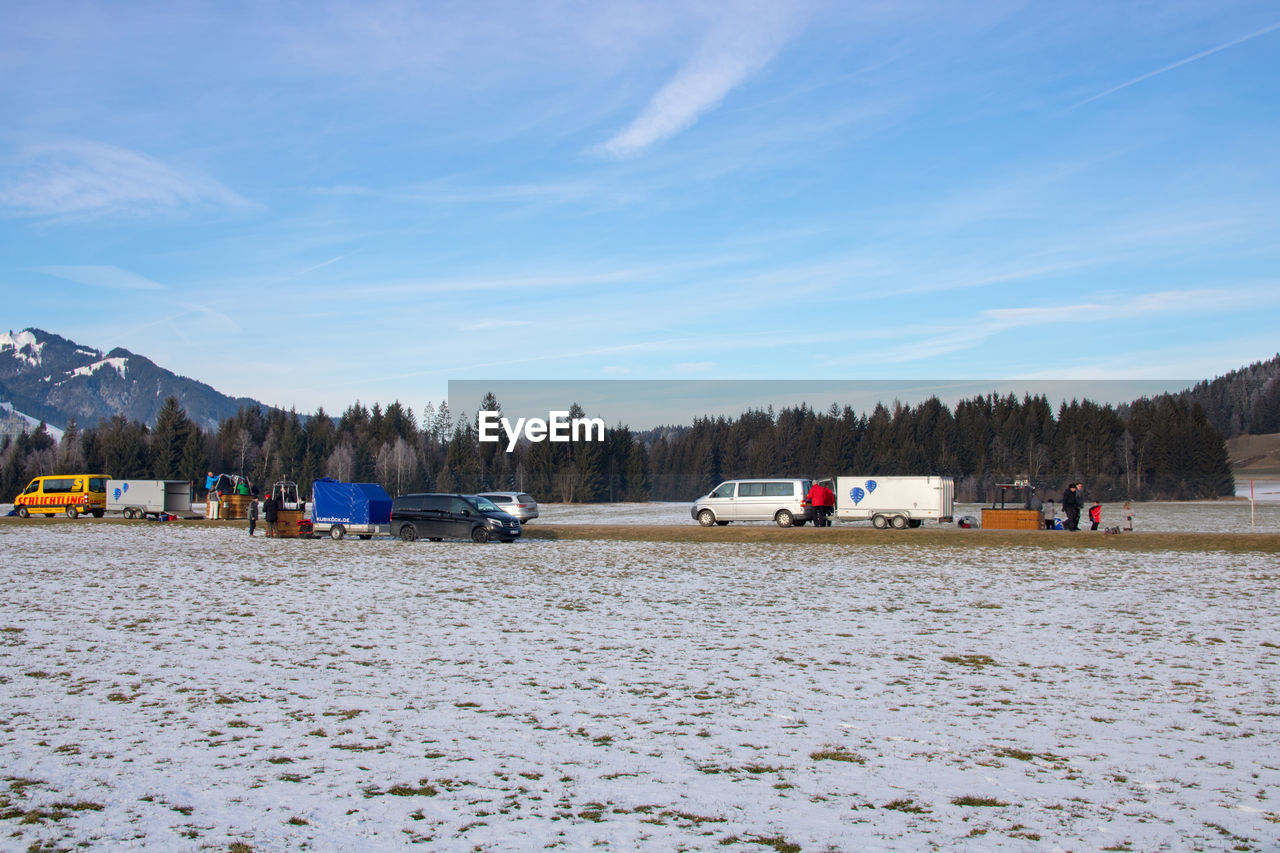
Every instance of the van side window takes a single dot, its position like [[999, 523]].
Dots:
[[750, 490], [779, 490], [724, 490], [460, 506], [33, 486], [436, 503], [97, 484]]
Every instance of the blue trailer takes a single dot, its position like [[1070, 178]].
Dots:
[[362, 509]]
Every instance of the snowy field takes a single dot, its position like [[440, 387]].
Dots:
[[181, 687], [1203, 516]]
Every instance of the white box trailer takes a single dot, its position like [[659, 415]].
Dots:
[[898, 502], [150, 498]]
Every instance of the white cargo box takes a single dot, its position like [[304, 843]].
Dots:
[[895, 501], [142, 498]]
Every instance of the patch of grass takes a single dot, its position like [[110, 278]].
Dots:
[[298, 821], [973, 661], [424, 788], [908, 806], [837, 753], [1024, 755], [971, 800], [345, 715], [777, 842]]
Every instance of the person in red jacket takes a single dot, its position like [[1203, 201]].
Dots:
[[823, 501], [1095, 515]]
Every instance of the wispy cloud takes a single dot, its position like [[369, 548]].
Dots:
[[1181, 62], [85, 178], [744, 42], [111, 278]]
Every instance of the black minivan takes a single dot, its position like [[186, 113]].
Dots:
[[442, 516]]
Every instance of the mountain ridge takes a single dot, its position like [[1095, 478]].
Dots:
[[54, 379]]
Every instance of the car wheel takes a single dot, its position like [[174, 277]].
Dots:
[[336, 532], [479, 535], [706, 518], [23, 513], [784, 518], [879, 522], [72, 512], [900, 522], [408, 533]]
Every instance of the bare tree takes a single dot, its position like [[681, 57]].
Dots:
[[341, 464]]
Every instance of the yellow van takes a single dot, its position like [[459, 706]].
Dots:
[[73, 494]]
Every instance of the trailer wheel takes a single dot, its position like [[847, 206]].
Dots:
[[72, 512], [408, 533], [706, 518], [22, 512], [900, 522], [336, 532], [879, 522], [784, 518]]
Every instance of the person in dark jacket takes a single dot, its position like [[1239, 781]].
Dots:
[[270, 512], [1071, 507], [253, 515]]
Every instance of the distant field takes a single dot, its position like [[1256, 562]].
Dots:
[[1255, 455]]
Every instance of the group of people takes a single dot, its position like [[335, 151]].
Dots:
[[224, 484], [270, 514], [1072, 503]]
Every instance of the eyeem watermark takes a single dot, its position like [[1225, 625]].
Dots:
[[557, 427]]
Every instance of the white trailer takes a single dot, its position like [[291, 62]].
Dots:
[[150, 498], [898, 502]]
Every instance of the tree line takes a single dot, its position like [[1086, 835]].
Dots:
[[1159, 448]]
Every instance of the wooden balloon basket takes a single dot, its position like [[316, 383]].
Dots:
[[289, 523], [231, 506]]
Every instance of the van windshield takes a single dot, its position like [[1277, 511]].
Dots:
[[484, 504]]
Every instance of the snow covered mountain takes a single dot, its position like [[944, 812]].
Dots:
[[47, 376]]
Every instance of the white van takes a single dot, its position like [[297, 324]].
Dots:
[[782, 500]]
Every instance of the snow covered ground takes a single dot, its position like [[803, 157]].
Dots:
[[184, 687]]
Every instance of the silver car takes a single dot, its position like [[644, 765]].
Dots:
[[518, 504]]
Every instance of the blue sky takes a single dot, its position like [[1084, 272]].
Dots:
[[316, 203]]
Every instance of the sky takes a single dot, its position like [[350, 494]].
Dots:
[[313, 204]]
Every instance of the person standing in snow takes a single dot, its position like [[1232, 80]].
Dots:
[[1128, 516], [270, 512], [1095, 515], [1071, 507], [253, 515]]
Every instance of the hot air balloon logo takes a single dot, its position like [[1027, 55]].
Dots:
[[871, 486], [856, 495]]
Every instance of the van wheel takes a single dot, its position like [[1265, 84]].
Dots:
[[336, 532], [72, 512], [22, 512], [784, 518], [879, 522], [479, 535], [706, 518], [900, 522], [408, 533]]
